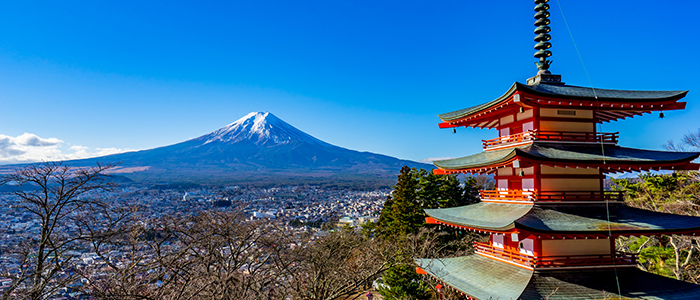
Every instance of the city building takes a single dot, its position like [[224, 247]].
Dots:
[[552, 225]]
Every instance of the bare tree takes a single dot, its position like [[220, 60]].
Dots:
[[220, 255], [438, 244], [214, 255], [677, 193], [692, 140], [58, 198], [336, 266]]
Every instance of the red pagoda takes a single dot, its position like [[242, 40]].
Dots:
[[552, 225]]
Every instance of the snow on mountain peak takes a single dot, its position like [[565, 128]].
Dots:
[[259, 128]]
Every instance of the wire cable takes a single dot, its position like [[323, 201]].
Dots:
[[602, 146]]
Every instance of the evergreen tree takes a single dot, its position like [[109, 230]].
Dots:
[[677, 193], [404, 283], [402, 213], [442, 191], [416, 190]]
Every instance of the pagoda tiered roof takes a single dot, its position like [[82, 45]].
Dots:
[[563, 91], [478, 276], [484, 278], [553, 226], [561, 219], [482, 215], [610, 105], [610, 158]]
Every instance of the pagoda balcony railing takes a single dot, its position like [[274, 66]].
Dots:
[[496, 252], [508, 195], [620, 258], [550, 196], [555, 136]]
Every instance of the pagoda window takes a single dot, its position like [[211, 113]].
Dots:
[[528, 184], [502, 184], [528, 126], [497, 240], [527, 246], [504, 131]]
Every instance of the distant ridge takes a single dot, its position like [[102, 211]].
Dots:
[[259, 149]]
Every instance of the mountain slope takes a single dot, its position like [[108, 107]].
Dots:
[[258, 146]]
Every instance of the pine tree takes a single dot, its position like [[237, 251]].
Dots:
[[416, 190], [442, 191], [404, 283], [402, 213]]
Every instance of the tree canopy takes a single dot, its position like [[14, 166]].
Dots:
[[403, 220], [416, 190]]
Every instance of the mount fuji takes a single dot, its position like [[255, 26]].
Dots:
[[256, 148]]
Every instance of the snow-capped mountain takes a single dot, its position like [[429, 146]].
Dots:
[[257, 147], [261, 128]]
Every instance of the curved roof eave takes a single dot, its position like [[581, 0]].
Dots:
[[482, 215], [615, 283], [477, 160], [597, 154], [495, 280], [567, 153], [586, 93], [599, 218], [569, 92], [450, 116]]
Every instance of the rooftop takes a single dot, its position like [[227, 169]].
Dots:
[[566, 219], [630, 102], [495, 280], [580, 154], [498, 280]]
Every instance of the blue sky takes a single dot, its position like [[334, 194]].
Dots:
[[94, 77]]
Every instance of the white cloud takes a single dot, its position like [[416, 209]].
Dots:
[[432, 159], [28, 148], [85, 152], [31, 140]]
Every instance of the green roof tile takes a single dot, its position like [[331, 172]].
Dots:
[[596, 153], [478, 276], [594, 218], [477, 160], [580, 153], [602, 284], [570, 92], [579, 92], [563, 218], [485, 278], [493, 216], [469, 110]]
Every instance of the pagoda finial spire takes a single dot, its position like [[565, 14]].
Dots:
[[542, 36]]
